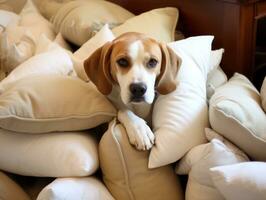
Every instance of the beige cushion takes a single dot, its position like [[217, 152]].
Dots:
[[263, 94], [46, 103], [235, 113], [243, 181], [125, 170], [10, 190], [59, 154], [75, 188], [17, 43], [55, 61], [79, 20], [158, 23], [197, 162], [103, 36], [12, 5], [179, 118]]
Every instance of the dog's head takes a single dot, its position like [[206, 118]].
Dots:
[[138, 64]]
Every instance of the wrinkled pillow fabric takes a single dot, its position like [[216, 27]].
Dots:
[[56, 61], [125, 170], [12, 5], [75, 188], [17, 42], [47, 103], [197, 162], [263, 94], [179, 118], [79, 20], [236, 113], [103, 36], [159, 24], [11, 190], [243, 181], [61, 154]]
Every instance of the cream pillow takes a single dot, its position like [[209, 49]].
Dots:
[[10, 190], [61, 154], [18, 41], [79, 20], [197, 162], [158, 23], [263, 94], [125, 170], [103, 36], [75, 188], [243, 181], [179, 118], [12, 5], [6, 18], [56, 61], [46, 103], [216, 77], [236, 113]]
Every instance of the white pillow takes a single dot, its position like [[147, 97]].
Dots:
[[158, 23], [75, 188], [47, 103], [216, 76], [10, 190], [103, 36], [79, 20], [236, 113], [18, 40], [243, 181], [179, 118], [59, 154], [125, 170], [263, 94], [56, 61], [197, 162]]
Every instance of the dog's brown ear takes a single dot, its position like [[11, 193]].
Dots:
[[97, 68], [170, 65]]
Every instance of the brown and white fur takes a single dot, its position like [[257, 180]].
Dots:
[[129, 70]]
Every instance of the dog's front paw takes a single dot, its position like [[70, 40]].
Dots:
[[140, 135]]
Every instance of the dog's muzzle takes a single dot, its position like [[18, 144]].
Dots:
[[137, 91]]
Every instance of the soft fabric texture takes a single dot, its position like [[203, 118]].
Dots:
[[18, 40], [243, 181], [263, 94], [125, 170], [197, 162], [12, 5], [6, 18], [10, 190], [158, 23], [61, 154], [179, 118], [79, 20], [103, 36], [216, 77], [55, 61], [46, 103], [236, 113], [75, 188]]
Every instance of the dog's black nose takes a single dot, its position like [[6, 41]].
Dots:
[[137, 89]]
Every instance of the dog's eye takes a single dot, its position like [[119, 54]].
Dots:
[[152, 63], [122, 62]]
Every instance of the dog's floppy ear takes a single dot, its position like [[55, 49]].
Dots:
[[170, 65], [97, 68]]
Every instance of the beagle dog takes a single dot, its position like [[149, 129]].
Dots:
[[129, 71]]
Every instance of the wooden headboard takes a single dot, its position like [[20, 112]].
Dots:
[[230, 21]]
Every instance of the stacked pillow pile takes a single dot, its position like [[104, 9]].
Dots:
[[48, 108]]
